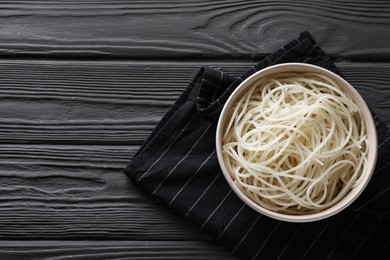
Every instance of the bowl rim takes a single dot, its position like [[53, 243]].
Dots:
[[366, 114]]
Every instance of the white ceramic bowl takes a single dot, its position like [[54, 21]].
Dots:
[[345, 87]]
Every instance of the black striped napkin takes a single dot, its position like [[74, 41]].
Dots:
[[178, 164]]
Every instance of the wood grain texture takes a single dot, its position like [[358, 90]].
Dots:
[[69, 126], [102, 103], [80, 192], [109, 250], [356, 30]]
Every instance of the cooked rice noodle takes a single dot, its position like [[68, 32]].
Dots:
[[295, 143]]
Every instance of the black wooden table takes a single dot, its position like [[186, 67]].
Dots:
[[83, 83]]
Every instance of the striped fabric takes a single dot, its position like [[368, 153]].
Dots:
[[178, 164]]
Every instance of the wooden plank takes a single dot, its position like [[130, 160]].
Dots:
[[191, 29], [80, 192], [120, 102], [105, 250]]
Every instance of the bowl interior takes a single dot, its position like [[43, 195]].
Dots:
[[346, 88]]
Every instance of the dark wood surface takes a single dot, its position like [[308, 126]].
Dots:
[[83, 83]]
